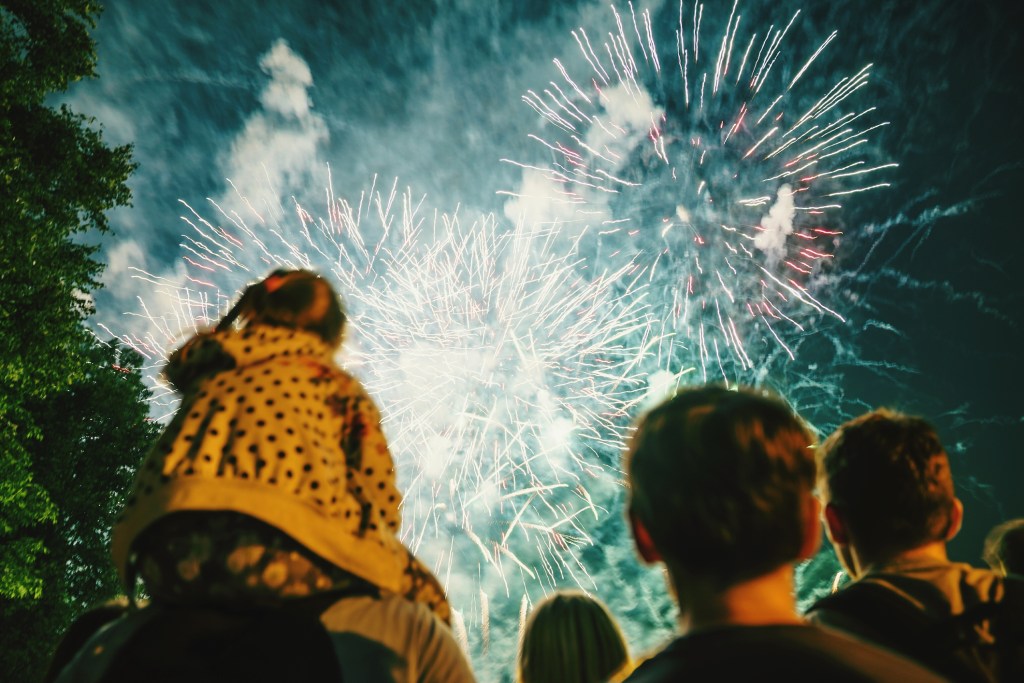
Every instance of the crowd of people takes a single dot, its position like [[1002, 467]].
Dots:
[[263, 527]]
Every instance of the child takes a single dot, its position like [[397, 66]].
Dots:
[[571, 637], [273, 480]]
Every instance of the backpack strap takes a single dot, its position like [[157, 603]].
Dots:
[[891, 620], [884, 614]]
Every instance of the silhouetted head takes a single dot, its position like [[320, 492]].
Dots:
[[297, 299], [1004, 547], [885, 478], [721, 485], [571, 638]]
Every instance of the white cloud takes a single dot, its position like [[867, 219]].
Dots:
[[122, 256], [777, 225], [273, 154], [540, 199], [278, 147], [290, 79], [628, 116]]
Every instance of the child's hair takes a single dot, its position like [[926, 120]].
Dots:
[[298, 299], [571, 638]]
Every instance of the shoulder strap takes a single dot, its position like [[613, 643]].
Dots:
[[891, 620], [878, 608]]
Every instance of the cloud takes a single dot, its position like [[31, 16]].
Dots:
[[541, 199], [121, 257], [279, 146], [287, 93], [548, 195], [628, 116], [274, 152], [777, 225]]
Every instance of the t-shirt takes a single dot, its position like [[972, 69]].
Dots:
[[775, 653], [392, 639]]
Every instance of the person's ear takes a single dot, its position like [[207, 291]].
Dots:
[[956, 519], [642, 538], [835, 527]]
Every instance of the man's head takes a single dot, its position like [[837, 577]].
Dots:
[[887, 488], [721, 485]]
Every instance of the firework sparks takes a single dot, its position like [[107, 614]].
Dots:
[[723, 176], [680, 228], [503, 365]]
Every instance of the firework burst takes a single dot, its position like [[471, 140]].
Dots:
[[719, 165], [504, 366]]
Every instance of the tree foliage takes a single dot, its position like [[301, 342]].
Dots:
[[57, 180], [93, 434]]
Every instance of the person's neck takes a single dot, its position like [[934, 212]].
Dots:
[[761, 601], [934, 552]]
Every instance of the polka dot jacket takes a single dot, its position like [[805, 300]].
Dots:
[[270, 427]]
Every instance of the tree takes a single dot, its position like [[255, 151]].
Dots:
[[93, 435], [57, 180]]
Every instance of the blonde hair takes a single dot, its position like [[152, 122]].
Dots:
[[571, 637]]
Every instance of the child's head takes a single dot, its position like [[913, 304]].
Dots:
[[571, 638], [298, 299]]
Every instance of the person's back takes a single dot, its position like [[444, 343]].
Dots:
[[364, 636], [721, 491], [267, 511], [783, 652], [890, 509], [956, 619]]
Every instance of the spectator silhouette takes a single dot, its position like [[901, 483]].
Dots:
[[272, 495], [720, 492], [1004, 548], [890, 508], [571, 637]]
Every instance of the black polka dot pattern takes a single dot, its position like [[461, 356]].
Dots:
[[283, 420]]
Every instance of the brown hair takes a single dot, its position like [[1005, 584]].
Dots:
[[720, 478], [571, 637], [889, 477], [298, 299]]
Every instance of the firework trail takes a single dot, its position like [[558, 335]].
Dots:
[[721, 164], [504, 368], [685, 219]]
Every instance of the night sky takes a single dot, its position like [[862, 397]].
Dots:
[[925, 276]]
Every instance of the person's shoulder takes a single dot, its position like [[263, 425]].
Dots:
[[784, 651], [847, 653], [363, 608], [368, 629], [662, 665]]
